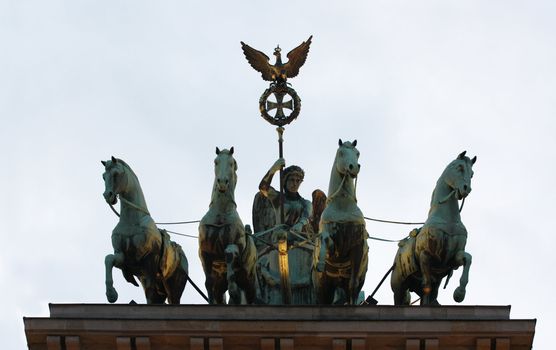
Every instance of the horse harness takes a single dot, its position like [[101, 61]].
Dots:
[[348, 231]]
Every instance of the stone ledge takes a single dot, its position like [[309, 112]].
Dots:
[[289, 313], [202, 327]]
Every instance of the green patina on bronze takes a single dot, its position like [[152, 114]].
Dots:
[[140, 249], [227, 253], [296, 234], [435, 250], [301, 252], [341, 254]]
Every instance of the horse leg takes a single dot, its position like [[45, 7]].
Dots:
[[317, 284], [110, 261], [327, 289], [167, 284], [363, 268], [178, 281], [433, 295], [220, 285], [152, 291], [326, 245], [340, 296], [206, 261], [425, 264], [232, 277], [462, 258], [174, 284], [250, 291], [401, 293], [353, 287], [248, 283], [233, 274]]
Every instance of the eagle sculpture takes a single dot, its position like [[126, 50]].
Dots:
[[278, 72]]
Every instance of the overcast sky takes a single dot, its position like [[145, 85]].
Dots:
[[161, 84]]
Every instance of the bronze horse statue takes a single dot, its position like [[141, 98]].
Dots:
[[227, 253], [341, 252], [436, 249], [140, 248]]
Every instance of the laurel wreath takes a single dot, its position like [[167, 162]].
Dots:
[[278, 121]]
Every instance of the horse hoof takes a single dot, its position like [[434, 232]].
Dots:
[[111, 295], [459, 294]]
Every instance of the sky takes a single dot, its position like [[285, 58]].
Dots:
[[161, 84]]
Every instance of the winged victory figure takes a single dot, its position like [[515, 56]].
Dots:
[[278, 72]]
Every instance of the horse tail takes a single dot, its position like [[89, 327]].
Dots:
[[448, 278]]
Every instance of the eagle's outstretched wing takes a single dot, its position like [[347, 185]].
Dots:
[[258, 60], [296, 58]]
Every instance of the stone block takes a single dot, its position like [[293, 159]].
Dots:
[[53, 342], [72, 343], [197, 343], [413, 344], [123, 343], [483, 344], [286, 344], [339, 344], [142, 343], [216, 344]]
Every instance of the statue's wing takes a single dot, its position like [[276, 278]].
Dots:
[[258, 60], [264, 216], [319, 203], [296, 58]]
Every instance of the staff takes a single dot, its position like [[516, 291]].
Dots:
[[277, 74]]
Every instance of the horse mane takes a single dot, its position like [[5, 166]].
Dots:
[[449, 167], [453, 163], [128, 168]]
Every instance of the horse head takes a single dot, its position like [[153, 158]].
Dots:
[[347, 159], [458, 174], [115, 179], [225, 167]]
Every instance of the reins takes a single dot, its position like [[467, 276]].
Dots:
[[329, 199], [257, 234], [133, 205], [354, 196], [445, 199], [394, 222]]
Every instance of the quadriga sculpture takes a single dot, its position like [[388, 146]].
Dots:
[[140, 248], [228, 255], [341, 252], [436, 249]]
